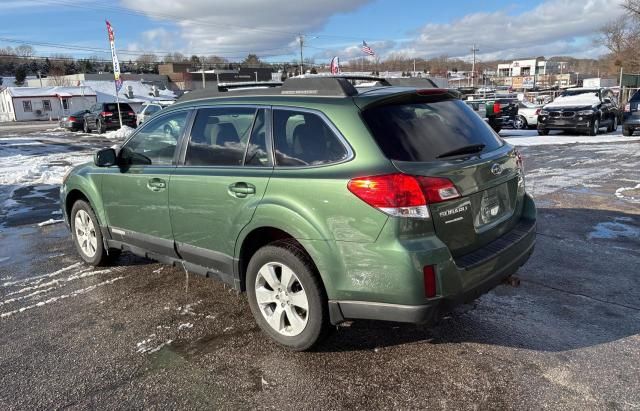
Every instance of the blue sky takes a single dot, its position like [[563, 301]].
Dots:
[[501, 29]]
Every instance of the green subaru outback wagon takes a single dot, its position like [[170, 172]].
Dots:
[[325, 202]]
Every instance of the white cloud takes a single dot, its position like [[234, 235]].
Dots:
[[236, 28], [555, 27], [269, 27]]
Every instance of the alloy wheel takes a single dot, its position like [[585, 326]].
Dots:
[[85, 233], [281, 298]]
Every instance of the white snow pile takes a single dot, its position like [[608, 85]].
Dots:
[[119, 134], [50, 221], [531, 138], [142, 92]]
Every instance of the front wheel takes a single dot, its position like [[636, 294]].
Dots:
[[595, 127], [614, 124], [86, 234], [286, 296], [543, 132], [85, 127], [626, 131]]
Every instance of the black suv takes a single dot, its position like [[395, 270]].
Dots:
[[105, 116], [631, 115], [581, 110]]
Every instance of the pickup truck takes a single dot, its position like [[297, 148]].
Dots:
[[498, 111]]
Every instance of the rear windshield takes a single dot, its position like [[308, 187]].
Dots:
[[112, 107], [636, 96], [424, 131]]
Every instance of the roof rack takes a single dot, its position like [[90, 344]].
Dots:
[[306, 85]]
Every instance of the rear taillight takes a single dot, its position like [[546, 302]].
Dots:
[[402, 195], [496, 107], [71, 118], [627, 108], [429, 274], [131, 113], [537, 111], [106, 114]]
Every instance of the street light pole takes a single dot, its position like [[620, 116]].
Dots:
[[301, 63], [473, 66]]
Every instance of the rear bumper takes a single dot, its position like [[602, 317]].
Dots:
[[482, 271], [632, 123]]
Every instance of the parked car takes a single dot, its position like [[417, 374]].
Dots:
[[631, 115], [74, 121], [105, 116], [582, 110], [499, 112], [322, 202], [527, 115], [149, 109]]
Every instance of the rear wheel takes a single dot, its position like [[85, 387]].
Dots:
[[543, 132], [520, 123], [595, 127], [626, 131], [286, 296], [101, 127]]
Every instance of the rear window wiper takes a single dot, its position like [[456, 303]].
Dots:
[[470, 149]]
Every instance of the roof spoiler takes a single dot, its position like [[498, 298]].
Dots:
[[416, 82]]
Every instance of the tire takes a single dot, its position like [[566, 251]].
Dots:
[[297, 329], [595, 127], [101, 127], [89, 246], [520, 123], [543, 132], [85, 127], [626, 132], [614, 124]]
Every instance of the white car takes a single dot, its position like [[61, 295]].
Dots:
[[527, 115], [149, 109]]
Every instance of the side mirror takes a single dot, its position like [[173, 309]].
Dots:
[[105, 158]]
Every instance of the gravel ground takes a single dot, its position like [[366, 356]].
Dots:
[[141, 334]]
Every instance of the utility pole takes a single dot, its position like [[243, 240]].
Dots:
[[204, 85], [301, 63], [473, 66]]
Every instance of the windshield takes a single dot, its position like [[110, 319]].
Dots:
[[426, 131]]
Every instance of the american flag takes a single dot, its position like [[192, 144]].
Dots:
[[366, 49]]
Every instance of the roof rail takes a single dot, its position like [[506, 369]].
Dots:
[[333, 86]]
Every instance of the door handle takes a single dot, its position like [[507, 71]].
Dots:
[[242, 189], [156, 184]]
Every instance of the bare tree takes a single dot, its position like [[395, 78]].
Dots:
[[24, 50], [622, 38]]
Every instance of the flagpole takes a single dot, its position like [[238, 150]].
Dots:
[[118, 103]]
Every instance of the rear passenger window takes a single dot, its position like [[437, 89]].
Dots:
[[219, 136], [304, 139]]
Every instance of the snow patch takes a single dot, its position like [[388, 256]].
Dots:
[[185, 326], [119, 134], [39, 277], [61, 297], [50, 221], [620, 193], [529, 138]]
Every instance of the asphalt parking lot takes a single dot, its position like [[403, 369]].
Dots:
[[141, 334]]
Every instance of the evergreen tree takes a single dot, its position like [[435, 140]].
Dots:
[[21, 74]]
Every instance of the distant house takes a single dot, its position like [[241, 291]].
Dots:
[[43, 103]]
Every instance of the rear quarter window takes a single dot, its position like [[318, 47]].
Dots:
[[423, 131]]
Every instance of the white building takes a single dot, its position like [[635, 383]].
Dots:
[[43, 103]]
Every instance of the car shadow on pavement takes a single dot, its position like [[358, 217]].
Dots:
[[579, 289]]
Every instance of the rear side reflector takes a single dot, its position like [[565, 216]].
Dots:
[[402, 195], [429, 273]]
